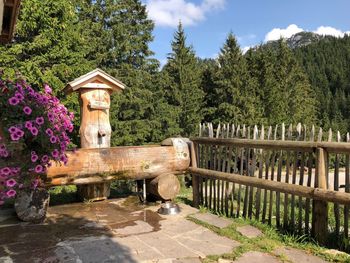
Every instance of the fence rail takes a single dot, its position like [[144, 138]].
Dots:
[[295, 179], [331, 147]]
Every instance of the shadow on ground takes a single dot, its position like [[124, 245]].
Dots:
[[71, 233]]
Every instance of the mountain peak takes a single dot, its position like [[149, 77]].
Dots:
[[303, 39]]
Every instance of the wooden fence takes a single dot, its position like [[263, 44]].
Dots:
[[295, 178]]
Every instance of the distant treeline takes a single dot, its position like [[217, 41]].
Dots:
[[57, 41]]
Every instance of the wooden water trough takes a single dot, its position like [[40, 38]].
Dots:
[[100, 165], [93, 166]]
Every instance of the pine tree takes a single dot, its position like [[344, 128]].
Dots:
[[184, 89], [299, 104], [283, 86], [236, 95], [49, 45]]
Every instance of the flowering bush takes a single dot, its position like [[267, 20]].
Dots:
[[34, 129]]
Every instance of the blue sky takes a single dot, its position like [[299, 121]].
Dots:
[[208, 22]]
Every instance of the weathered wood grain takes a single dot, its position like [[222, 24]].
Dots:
[[87, 166]]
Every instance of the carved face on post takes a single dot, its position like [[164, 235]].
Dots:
[[95, 129]]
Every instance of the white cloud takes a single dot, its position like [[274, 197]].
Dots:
[[330, 31], [170, 12], [277, 33], [292, 29], [245, 49]]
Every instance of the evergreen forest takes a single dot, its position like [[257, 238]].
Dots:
[[58, 41]]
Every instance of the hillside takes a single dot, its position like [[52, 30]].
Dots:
[[327, 64]]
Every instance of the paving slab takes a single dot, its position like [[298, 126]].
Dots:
[[109, 231], [187, 260], [212, 219], [249, 231], [257, 257], [204, 242], [297, 256]]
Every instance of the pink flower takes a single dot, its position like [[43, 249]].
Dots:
[[11, 183], [38, 169], [49, 132], [11, 193], [5, 171], [39, 120], [34, 158], [2, 202], [53, 139], [45, 159], [13, 101], [47, 89], [28, 125], [27, 110], [15, 137], [55, 153], [34, 131], [19, 133], [12, 129], [50, 116], [19, 96], [4, 153]]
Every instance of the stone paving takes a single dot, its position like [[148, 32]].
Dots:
[[121, 230], [212, 219], [249, 231], [109, 231], [297, 255]]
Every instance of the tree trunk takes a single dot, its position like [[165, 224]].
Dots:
[[165, 186]]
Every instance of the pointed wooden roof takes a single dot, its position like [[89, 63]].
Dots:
[[95, 79]]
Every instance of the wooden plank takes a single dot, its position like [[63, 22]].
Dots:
[[195, 178], [320, 210], [320, 194], [247, 188], [301, 146], [294, 176], [279, 175], [241, 156], [210, 180], [309, 165], [267, 164], [347, 190], [301, 182], [234, 168], [273, 163], [261, 166], [285, 205], [336, 188], [252, 173]]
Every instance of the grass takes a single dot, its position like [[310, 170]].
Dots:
[[271, 240]]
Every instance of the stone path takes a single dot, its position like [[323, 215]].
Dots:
[[121, 231], [109, 231], [212, 219], [297, 255], [249, 231]]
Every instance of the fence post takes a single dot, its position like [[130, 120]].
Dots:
[[195, 178], [320, 208]]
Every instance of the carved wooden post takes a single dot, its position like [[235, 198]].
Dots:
[[95, 130], [320, 208]]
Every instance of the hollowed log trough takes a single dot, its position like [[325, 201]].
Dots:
[[101, 165]]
